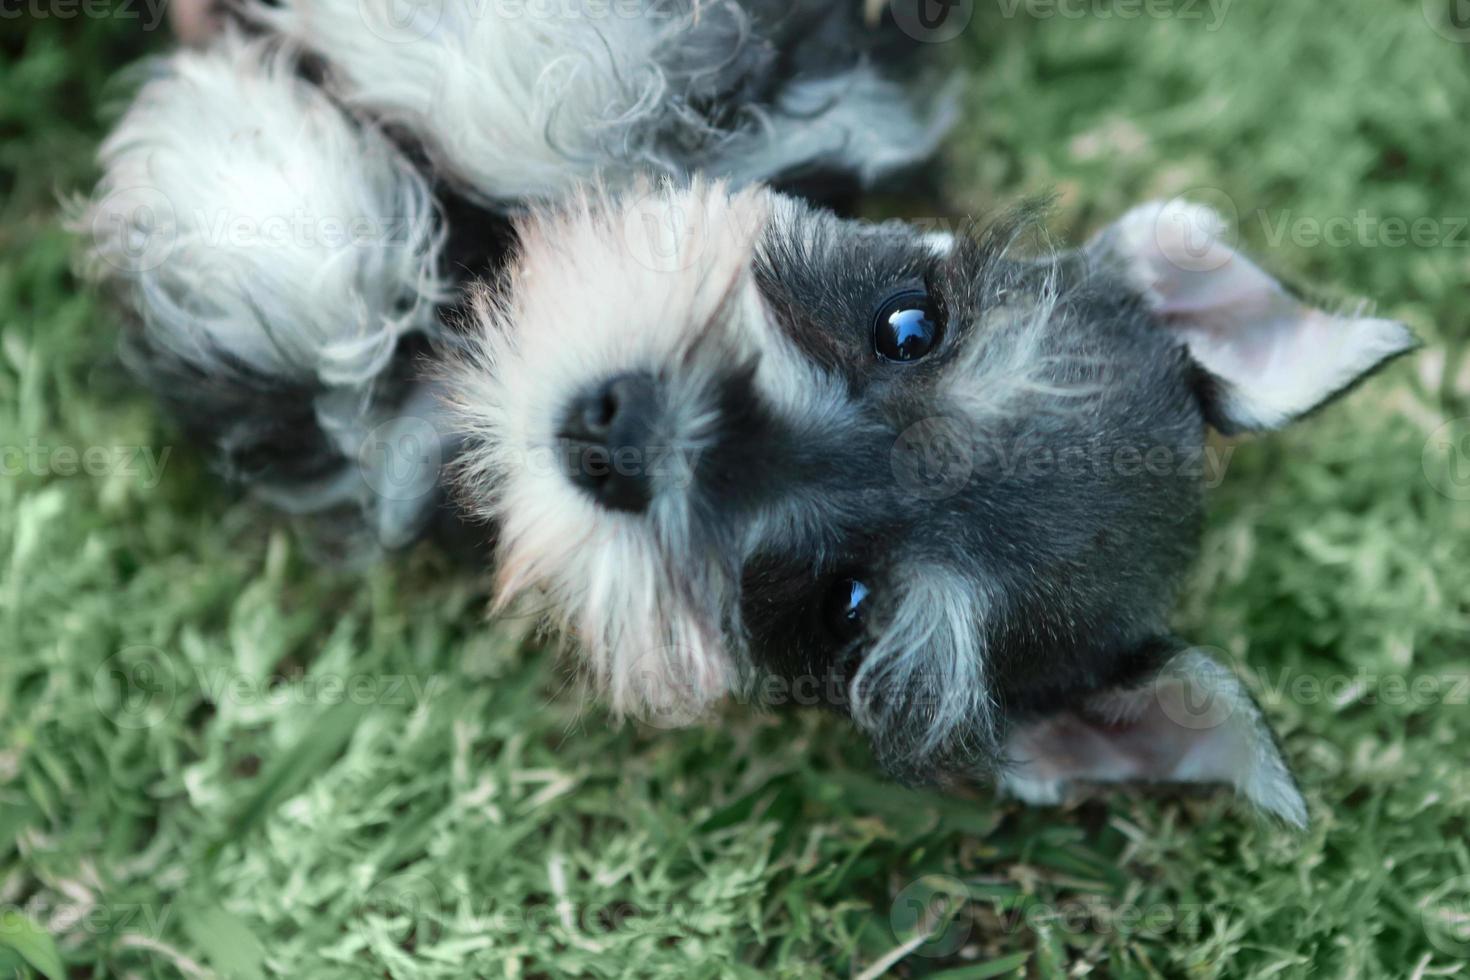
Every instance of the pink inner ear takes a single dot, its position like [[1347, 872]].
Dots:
[[1250, 332], [1194, 723], [1278, 357], [1146, 743], [1070, 748]]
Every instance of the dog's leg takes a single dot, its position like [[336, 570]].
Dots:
[[524, 101], [279, 257]]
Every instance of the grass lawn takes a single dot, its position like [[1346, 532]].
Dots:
[[218, 758]]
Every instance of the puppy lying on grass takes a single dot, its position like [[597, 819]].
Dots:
[[728, 442]]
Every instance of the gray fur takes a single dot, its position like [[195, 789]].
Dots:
[[525, 104]]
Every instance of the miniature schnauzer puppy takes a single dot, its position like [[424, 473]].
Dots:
[[952, 480], [728, 442]]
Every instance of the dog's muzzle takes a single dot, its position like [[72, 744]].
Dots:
[[607, 435]]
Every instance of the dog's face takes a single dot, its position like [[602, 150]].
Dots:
[[738, 444]]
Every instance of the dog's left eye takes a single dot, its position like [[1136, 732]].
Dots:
[[846, 608], [907, 326]]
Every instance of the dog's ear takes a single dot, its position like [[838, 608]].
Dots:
[[1193, 722], [1267, 357]]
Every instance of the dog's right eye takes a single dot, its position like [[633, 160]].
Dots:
[[845, 610], [906, 327]]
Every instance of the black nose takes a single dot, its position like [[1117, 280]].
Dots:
[[607, 432]]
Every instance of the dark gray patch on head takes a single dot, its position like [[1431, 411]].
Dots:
[[1078, 542]]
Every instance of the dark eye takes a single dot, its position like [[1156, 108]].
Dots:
[[846, 608], [907, 326]]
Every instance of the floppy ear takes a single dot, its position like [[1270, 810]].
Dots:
[[1268, 357], [1193, 722]]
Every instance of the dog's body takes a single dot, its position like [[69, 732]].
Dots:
[[726, 439]]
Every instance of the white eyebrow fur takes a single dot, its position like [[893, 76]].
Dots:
[[922, 685]]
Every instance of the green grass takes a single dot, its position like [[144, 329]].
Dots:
[[453, 811]]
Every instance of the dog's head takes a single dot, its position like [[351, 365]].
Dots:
[[737, 444]]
